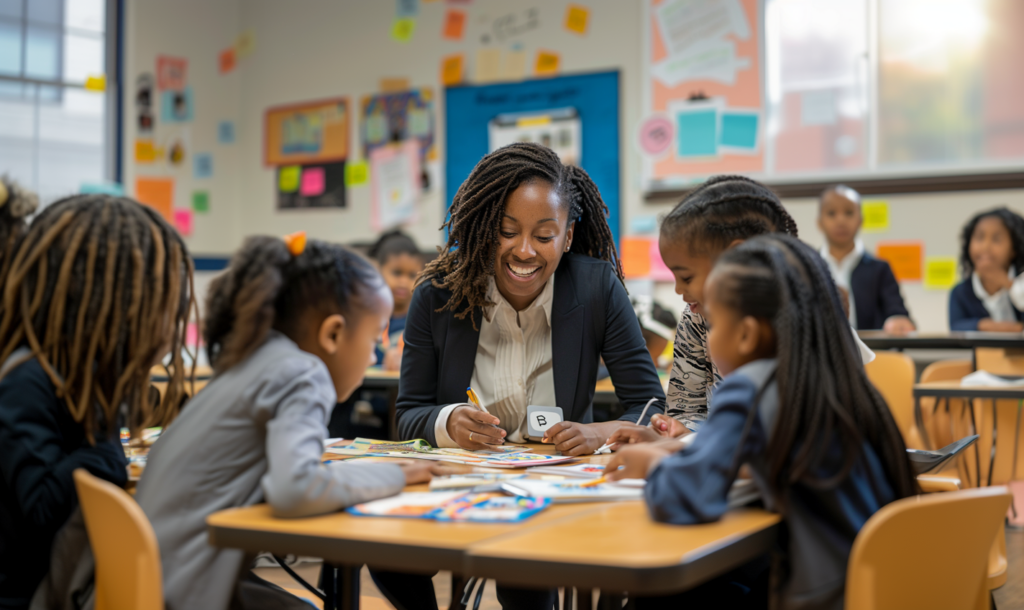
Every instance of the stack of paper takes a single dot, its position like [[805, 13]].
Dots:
[[502, 457]]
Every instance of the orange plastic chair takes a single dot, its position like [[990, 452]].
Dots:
[[1000, 361], [128, 575], [940, 424], [893, 373], [927, 552]]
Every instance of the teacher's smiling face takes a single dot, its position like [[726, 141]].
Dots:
[[533, 235]]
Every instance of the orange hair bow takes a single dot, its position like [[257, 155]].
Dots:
[[296, 242]]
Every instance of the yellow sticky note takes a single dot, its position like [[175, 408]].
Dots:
[[547, 63], [288, 178], [96, 83], [875, 215], [357, 173], [402, 29], [451, 70], [939, 272], [244, 44], [576, 18], [515, 65], [144, 151], [488, 65]]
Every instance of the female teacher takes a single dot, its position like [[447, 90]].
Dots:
[[521, 305]]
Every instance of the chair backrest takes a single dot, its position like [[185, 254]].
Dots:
[[128, 574], [927, 551], [893, 374], [946, 370]]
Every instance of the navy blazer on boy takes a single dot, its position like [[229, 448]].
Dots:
[[876, 295], [591, 318], [966, 309]]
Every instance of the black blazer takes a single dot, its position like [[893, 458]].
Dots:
[[591, 317], [876, 294], [966, 309]]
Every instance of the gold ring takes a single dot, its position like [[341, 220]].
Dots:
[[470, 436]]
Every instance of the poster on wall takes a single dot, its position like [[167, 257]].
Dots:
[[705, 75], [401, 116], [306, 133], [558, 129], [395, 178], [318, 185]]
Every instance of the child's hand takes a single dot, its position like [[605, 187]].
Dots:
[[392, 360], [420, 473], [668, 426], [635, 461], [898, 325], [573, 438], [631, 434]]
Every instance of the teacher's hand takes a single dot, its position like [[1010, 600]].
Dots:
[[474, 429], [572, 438]]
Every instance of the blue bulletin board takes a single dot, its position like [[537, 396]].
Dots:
[[468, 110]]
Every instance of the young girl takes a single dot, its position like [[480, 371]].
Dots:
[[95, 294], [400, 262], [796, 406], [291, 329], [991, 298], [15, 205]]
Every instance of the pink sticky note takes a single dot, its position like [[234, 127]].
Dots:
[[659, 271], [192, 335], [312, 182], [183, 222]]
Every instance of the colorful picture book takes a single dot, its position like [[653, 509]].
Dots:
[[419, 449], [454, 506]]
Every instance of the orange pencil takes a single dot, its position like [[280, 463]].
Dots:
[[594, 483]]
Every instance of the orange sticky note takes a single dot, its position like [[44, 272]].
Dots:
[[454, 24], [227, 60], [904, 258], [144, 151], [451, 70], [547, 63], [636, 257], [157, 193], [576, 18]]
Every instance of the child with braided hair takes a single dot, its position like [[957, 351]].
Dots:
[[95, 293], [795, 406], [521, 304], [291, 327]]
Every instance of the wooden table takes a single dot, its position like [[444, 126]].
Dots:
[[631, 553]]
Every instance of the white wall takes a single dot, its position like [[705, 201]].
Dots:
[[310, 49]]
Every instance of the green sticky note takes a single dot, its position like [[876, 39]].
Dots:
[[200, 201], [357, 173], [288, 178], [402, 29]]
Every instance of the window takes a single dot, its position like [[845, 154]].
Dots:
[[893, 87], [55, 134]]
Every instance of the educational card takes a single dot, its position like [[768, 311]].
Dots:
[[453, 506], [539, 419]]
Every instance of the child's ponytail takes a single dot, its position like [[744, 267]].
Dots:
[[268, 285]]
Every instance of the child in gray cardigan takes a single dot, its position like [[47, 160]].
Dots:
[[290, 332]]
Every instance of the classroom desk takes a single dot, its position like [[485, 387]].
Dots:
[[876, 339], [945, 390], [632, 550]]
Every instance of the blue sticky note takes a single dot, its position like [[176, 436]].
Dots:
[[407, 8], [102, 188], [226, 132], [739, 130], [697, 132], [202, 165], [176, 106]]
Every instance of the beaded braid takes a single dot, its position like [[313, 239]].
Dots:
[[98, 286], [724, 209], [267, 287], [823, 390], [1014, 225], [466, 262]]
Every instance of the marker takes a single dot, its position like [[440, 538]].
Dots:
[[594, 483], [607, 447]]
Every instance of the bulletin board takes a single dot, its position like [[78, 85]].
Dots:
[[704, 73], [306, 133], [470, 110]]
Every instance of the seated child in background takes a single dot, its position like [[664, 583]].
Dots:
[[400, 262], [63, 390], [820, 441], [874, 295], [291, 328], [991, 297]]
